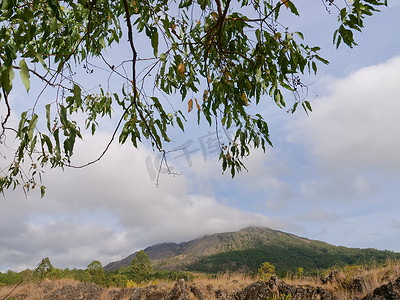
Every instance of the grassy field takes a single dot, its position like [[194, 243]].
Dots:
[[344, 283]]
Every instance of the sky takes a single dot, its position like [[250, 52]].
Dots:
[[332, 175]]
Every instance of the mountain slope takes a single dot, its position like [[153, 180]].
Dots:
[[247, 249]]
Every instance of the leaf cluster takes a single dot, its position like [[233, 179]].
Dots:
[[227, 57]]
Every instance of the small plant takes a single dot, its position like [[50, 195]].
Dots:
[[130, 284], [266, 271], [280, 297], [300, 272]]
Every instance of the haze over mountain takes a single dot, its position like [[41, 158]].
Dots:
[[245, 250]]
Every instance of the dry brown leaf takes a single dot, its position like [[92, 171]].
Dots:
[[197, 104], [181, 69], [245, 98], [190, 105]]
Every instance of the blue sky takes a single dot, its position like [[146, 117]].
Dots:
[[331, 176]]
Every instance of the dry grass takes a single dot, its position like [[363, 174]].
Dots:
[[371, 276], [34, 291], [222, 284], [342, 286]]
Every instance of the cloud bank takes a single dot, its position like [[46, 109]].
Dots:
[[107, 211], [354, 126]]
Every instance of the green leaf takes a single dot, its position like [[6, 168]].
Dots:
[[124, 134], [102, 42], [314, 67], [295, 107], [300, 34], [53, 24], [185, 3], [179, 121], [32, 126], [47, 140], [163, 57], [42, 191], [292, 8], [308, 105], [57, 139], [24, 73], [42, 62], [21, 124], [278, 98], [258, 75], [7, 76], [77, 95], [258, 35], [33, 144], [63, 115], [154, 42], [323, 60], [47, 106]]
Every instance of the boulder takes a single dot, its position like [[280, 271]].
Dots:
[[278, 289], [390, 291], [179, 291], [254, 291]]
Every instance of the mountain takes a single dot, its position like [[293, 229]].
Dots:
[[245, 250]]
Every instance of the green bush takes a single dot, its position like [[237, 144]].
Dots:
[[266, 271]]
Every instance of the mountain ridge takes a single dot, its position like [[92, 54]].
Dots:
[[245, 250]]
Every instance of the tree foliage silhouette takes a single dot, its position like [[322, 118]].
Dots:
[[222, 57]]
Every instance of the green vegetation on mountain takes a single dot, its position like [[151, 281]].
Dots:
[[288, 259], [246, 250]]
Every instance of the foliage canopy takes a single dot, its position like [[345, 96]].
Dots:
[[222, 57]]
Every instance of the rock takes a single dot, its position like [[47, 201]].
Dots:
[[196, 292], [279, 289], [179, 291], [90, 290], [255, 291], [82, 291], [120, 293], [357, 285], [331, 278], [220, 294], [148, 293], [390, 291]]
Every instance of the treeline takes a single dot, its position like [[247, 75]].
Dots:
[[140, 270], [288, 260]]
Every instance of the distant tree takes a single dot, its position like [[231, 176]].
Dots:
[[44, 268], [27, 275], [56, 273], [118, 280], [140, 268], [266, 271], [221, 58], [96, 272], [10, 278], [80, 275]]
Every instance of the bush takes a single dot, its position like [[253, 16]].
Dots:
[[118, 280], [266, 271]]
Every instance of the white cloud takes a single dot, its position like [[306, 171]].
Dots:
[[356, 125], [109, 210]]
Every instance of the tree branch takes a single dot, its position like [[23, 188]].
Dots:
[[4, 122], [133, 81]]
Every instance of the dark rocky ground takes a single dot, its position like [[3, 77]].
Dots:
[[272, 289]]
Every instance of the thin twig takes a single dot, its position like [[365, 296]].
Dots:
[[4, 122]]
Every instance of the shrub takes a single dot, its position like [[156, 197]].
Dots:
[[266, 271]]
